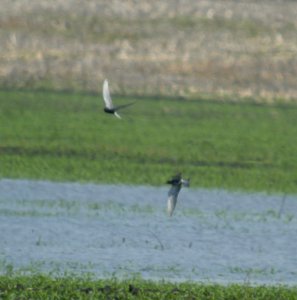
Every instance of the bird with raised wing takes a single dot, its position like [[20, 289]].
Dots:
[[109, 107], [176, 184]]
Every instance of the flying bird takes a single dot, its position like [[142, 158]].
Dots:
[[109, 107], [176, 184]]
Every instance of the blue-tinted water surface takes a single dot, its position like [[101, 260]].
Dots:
[[213, 236]]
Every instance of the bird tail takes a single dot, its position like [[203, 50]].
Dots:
[[186, 182], [117, 115]]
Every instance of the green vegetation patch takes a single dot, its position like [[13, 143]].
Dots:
[[42, 287], [66, 136]]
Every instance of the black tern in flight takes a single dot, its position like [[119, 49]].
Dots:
[[176, 183], [109, 107]]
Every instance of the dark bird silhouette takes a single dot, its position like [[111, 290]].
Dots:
[[176, 184], [109, 107]]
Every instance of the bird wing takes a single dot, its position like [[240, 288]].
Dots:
[[106, 95], [171, 202], [123, 106], [172, 198], [174, 190]]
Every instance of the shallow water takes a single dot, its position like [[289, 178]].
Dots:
[[105, 230]]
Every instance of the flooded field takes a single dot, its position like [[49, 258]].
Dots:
[[117, 230]]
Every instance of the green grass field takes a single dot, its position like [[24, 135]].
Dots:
[[66, 137], [41, 287]]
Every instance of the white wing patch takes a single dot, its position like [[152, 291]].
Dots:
[[171, 202], [172, 198], [106, 95]]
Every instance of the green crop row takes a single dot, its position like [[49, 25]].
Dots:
[[67, 137], [42, 287]]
